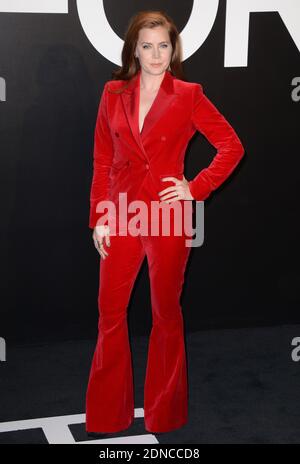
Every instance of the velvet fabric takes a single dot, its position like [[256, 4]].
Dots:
[[126, 160]]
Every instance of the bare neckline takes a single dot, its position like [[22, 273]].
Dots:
[[139, 105]]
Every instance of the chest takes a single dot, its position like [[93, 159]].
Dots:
[[146, 100], [129, 114]]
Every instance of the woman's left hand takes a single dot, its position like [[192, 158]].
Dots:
[[179, 191]]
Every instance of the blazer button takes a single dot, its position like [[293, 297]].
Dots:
[[147, 166], [163, 138]]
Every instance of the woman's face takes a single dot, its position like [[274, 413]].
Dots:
[[154, 48]]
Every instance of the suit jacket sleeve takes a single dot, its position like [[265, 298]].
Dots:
[[102, 160], [212, 124]]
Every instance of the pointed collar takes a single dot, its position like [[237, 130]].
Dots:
[[163, 101]]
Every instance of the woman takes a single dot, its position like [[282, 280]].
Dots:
[[147, 115]]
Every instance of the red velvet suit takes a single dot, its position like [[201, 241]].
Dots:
[[126, 160]]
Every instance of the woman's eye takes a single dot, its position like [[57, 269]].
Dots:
[[163, 45]]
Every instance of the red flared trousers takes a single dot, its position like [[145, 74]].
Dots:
[[110, 392]]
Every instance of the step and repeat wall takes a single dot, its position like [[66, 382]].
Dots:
[[55, 57]]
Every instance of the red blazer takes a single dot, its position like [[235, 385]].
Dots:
[[125, 159]]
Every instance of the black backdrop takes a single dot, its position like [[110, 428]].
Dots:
[[246, 272]]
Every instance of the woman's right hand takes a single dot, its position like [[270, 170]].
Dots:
[[99, 233]]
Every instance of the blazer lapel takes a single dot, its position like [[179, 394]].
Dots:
[[131, 96]]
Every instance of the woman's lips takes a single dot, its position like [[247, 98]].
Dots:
[[156, 65]]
